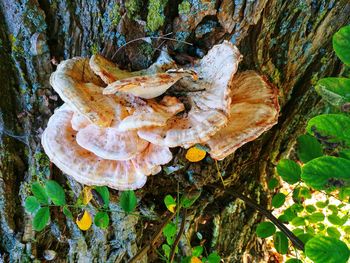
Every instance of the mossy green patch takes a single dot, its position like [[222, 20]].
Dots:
[[94, 49], [184, 7], [114, 15], [133, 8], [156, 17]]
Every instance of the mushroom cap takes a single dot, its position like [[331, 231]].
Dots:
[[152, 114], [185, 131], [215, 71], [209, 98], [59, 142], [254, 110], [148, 86], [107, 70], [110, 143], [79, 87]]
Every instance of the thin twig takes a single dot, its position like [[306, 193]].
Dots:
[[154, 239], [293, 238], [178, 237], [145, 39]]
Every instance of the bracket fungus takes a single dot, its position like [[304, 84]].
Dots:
[[116, 126]]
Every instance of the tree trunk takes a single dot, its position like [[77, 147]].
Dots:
[[288, 41]]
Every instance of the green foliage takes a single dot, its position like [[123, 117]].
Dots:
[[170, 203], [40, 193], [104, 193], [128, 201], [289, 171], [101, 219], [188, 200], [55, 192], [273, 183], [278, 200], [31, 204], [280, 242], [325, 157], [308, 148], [184, 7], [341, 44], [41, 219], [330, 128], [265, 229], [323, 249], [326, 172], [335, 91]]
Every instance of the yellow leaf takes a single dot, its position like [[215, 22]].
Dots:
[[84, 222], [194, 154], [171, 208], [87, 195], [195, 260]]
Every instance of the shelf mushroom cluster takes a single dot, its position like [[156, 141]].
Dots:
[[116, 126]]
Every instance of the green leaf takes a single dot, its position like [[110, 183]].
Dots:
[[300, 194], [344, 192], [345, 154], [298, 231], [327, 172], [169, 230], [265, 229], [322, 249], [67, 212], [294, 260], [308, 148], [310, 208], [341, 44], [332, 128], [280, 242], [316, 217], [31, 204], [104, 193], [170, 203], [335, 91], [101, 219], [289, 214], [166, 250], [289, 171], [40, 193], [188, 199], [197, 251], [273, 183], [213, 258], [298, 221], [336, 220], [55, 192], [321, 227], [278, 200], [305, 237], [128, 201], [333, 232], [320, 204], [41, 219]]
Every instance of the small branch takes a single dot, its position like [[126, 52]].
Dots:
[[293, 238], [154, 239], [178, 237]]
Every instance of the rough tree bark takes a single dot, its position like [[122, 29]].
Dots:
[[289, 41]]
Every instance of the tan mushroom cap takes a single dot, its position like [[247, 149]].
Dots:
[[59, 142], [254, 110], [109, 72], [185, 131], [148, 86], [79, 87], [152, 114], [209, 97], [110, 143]]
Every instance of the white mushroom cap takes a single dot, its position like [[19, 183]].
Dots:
[[148, 86], [77, 85], [59, 142], [185, 131], [110, 143], [152, 114], [209, 97], [254, 110]]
